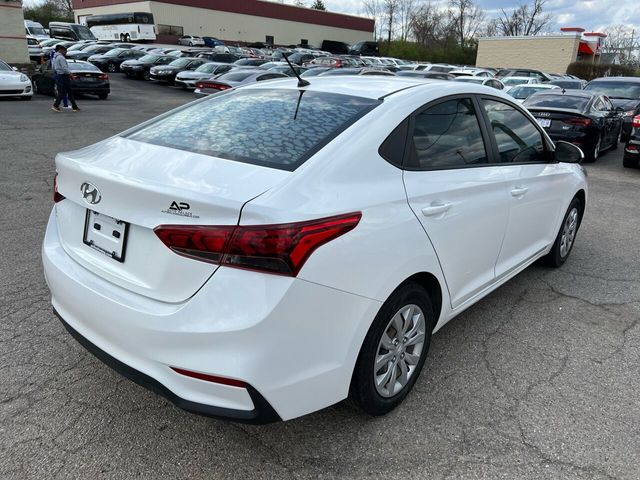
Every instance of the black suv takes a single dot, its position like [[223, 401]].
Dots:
[[624, 92], [366, 49]]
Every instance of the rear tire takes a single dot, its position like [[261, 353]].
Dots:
[[146, 76], [566, 236], [127, 38], [391, 358], [593, 155], [26, 99], [112, 67], [103, 96], [617, 140]]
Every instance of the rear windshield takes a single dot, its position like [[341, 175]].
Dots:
[[557, 101], [269, 127], [82, 67], [616, 89]]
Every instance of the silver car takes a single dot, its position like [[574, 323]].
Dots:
[[191, 41], [188, 78]]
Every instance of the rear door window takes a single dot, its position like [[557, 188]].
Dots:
[[270, 127]]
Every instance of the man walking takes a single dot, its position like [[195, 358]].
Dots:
[[63, 80]]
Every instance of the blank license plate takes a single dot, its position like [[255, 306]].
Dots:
[[544, 122], [106, 234]]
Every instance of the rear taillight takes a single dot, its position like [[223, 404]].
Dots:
[[212, 85], [57, 196], [73, 76], [103, 76], [635, 123], [338, 63], [282, 249], [579, 121]]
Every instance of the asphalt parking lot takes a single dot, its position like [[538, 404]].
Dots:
[[539, 380]]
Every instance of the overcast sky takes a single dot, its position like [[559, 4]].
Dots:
[[589, 14]]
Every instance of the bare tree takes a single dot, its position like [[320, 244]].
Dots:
[[466, 18], [374, 9], [390, 9], [406, 9], [524, 20], [430, 27], [624, 42]]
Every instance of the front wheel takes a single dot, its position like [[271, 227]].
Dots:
[[566, 236], [146, 75], [112, 67], [103, 96], [394, 350]]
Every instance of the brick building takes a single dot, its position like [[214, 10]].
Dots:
[[550, 53], [234, 20]]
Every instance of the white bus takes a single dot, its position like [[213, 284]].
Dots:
[[125, 27]]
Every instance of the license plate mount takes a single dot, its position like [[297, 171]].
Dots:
[[106, 234], [544, 122]]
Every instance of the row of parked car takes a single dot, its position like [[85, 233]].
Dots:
[[594, 115]]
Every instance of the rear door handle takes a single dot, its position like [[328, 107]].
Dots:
[[436, 208], [519, 191]]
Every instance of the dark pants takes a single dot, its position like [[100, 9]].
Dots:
[[64, 88]]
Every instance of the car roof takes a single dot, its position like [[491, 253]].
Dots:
[[569, 92], [616, 79], [373, 86]]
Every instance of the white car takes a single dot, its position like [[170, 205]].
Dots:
[[513, 81], [522, 92], [471, 72], [306, 248], [14, 83], [191, 41], [486, 81]]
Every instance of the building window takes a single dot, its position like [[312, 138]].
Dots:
[[304, 41], [269, 40], [170, 30]]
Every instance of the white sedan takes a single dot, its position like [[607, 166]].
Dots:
[[14, 83], [306, 248]]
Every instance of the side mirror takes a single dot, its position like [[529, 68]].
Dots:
[[567, 153]]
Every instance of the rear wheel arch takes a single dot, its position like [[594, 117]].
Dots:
[[582, 196], [431, 284]]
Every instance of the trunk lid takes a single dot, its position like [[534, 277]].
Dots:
[[554, 121], [148, 185]]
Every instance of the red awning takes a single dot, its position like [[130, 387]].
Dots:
[[585, 48]]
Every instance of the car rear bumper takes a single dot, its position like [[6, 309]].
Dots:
[[294, 343]]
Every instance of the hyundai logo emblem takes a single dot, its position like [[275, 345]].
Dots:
[[90, 193]]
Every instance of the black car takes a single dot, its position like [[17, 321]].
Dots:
[[167, 73], [569, 84], [366, 49], [110, 61], [624, 92], [286, 69], [586, 119], [85, 79], [139, 68], [300, 58], [631, 158], [86, 52]]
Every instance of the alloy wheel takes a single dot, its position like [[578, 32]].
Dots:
[[399, 350], [596, 150], [111, 67], [569, 232]]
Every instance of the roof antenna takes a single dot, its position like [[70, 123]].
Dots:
[[301, 82]]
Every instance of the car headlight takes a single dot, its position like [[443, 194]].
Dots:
[[24, 78]]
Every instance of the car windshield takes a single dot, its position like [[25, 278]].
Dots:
[[514, 81], [275, 128], [32, 41], [181, 62], [521, 92], [4, 67], [557, 101], [207, 67], [114, 52], [77, 46], [37, 31], [149, 58], [236, 76], [629, 90]]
